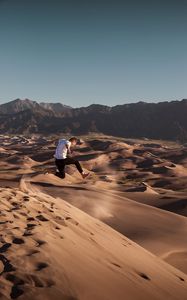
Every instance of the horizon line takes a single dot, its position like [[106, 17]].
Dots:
[[94, 103]]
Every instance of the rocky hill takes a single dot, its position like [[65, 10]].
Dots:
[[164, 120]]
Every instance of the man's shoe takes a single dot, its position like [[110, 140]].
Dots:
[[84, 175]]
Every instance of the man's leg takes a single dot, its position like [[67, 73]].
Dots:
[[72, 161], [61, 167]]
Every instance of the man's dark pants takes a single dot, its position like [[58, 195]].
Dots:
[[61, 163]]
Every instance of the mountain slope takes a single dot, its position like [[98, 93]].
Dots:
[[18, 105], [57, 108], [164, 120]]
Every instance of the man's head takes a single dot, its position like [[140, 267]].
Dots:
[[73, 141]]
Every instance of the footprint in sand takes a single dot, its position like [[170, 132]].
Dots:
[[49, 282], [32, 252], [42, 218], [57, 227], [3, 222], [91, 239], [16, 216], [41, 265], [115, 264], [27, 233], [8, 267], [5, 247], [28, 229], [14, 279], [15, 205], [2, 240], [143, 275], [35, 281], [127, 243], [14, 193], [72, 221], [18, 241], [182, 279], [26, 198], [30, 226], [23, 214], [16, 292], [38, 282], [31, 219], [60, 220], [40, 243]]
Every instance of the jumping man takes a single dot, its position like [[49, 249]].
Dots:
[[64, 148]]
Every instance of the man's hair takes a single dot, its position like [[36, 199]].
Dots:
[[73, 139]]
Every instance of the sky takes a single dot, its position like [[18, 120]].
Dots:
[[82, 52]]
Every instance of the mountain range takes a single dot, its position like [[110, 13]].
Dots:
[[163, 120]]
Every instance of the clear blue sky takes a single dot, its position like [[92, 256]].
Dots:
[[83, 52]]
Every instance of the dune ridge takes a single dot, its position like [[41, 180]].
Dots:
[[62, 252]]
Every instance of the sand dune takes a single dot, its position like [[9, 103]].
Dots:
[[51, 249], [157, 230], [55, 240]]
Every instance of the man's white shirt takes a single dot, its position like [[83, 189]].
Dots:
[[62, 149]]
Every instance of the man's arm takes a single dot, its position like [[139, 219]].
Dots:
[[68, 146]]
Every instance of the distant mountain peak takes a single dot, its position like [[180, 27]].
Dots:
[[162, 120], [19, 105]]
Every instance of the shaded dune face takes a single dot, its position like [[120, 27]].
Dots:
[[73, 237], [64, 253]]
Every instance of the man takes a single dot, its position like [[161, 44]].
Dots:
[[62, 159]]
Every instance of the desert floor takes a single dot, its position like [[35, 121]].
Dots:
[[119, 234]]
